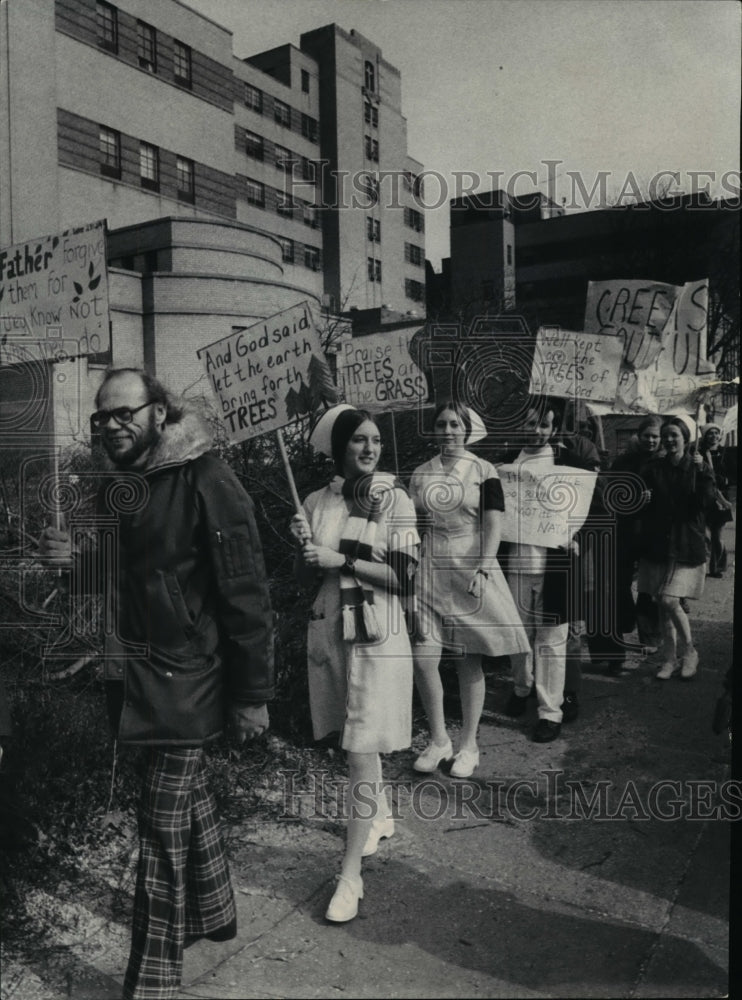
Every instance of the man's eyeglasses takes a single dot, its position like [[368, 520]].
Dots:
[[122, 415]]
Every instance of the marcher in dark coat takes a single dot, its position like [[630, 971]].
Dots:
[[623, 481], [721, 512], [190, 640], [680, 491]]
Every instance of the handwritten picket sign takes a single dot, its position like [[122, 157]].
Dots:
[[680, 370], [576, 365], [54, 296], [268, 374], [378, 372], [637, 311], [544, 507]]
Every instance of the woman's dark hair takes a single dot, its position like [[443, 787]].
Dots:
[[649, 422], [459, 409], [541, 406], [677, 422], [156, 391], [345, 426]]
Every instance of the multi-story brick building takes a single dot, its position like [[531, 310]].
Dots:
[[232, 188]]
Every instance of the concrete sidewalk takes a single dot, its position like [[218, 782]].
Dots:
[[514, 884]]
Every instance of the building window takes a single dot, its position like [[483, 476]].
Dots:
[[107, 21], [371, 114], [413, 254], [185, 179], [147, 46], [284, 158], [509, 253], [374, 269], [149, 166], [373, 229], [311, 258], [414, 219], [305, 81], [287, 250], [255, 193], [414, 290], [307, 170], [110, 152], [254, 98], [182, 64], [254, 145], [309, 127], [369, 77], [281, 113], [309, 214], [372, 148]]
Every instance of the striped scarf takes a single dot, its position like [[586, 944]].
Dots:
[[370, 497]]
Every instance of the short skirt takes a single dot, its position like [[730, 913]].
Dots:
[[671, 579]]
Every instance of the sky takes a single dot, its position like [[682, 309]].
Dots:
[[630, 88]]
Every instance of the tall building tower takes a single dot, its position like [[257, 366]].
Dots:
[[373, 228]]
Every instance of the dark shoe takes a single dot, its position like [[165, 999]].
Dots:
[[226, 933], [570, 707], [546, 731], [516, 705]]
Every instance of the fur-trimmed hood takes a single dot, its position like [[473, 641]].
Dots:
[[182, 441]]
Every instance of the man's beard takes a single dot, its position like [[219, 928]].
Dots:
[[147, 440]]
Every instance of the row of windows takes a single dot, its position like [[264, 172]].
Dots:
[[258, 149], [108, 39], [293, 253], [255, 100], [149, 164], [255, 193]]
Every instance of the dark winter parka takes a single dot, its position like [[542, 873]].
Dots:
[[192, 624], [673, 524]]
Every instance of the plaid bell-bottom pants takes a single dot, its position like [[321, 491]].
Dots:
[[183, 886]]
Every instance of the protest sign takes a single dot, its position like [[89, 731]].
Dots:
[[54, 296], [663, 331], [544, 507], [680, 370], [377, 371], [575, 365], [268, 374], [635, 310]]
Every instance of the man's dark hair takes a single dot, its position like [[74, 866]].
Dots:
[[542, 404], [156, 391]]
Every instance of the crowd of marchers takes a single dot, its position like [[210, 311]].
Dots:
[[401, 575]]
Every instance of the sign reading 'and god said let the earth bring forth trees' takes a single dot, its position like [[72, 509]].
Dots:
[[54, 296], [269, 374]]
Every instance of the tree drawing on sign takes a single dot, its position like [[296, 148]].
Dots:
[[320, 391], [93, 282]]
